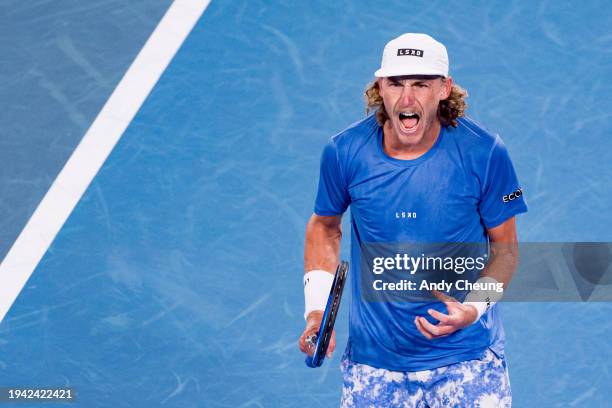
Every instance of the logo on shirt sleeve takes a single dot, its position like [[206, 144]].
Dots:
[[513, 195]]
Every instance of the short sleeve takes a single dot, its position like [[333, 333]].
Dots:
[[332, 196], [501, 195]]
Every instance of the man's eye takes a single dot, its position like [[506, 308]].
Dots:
[[421, 85], [395, 84]]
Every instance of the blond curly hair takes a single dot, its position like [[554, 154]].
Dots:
[[449, 109]]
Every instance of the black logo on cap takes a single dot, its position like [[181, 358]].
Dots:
[[410, 52]]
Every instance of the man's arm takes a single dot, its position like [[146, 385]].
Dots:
[[504, 252], [322, 244], [501, 266], [321, 252]]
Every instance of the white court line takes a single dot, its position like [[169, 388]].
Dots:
[[95, 147]]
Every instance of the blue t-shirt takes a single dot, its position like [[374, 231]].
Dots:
[[452, 193]]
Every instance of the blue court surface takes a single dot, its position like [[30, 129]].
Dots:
[[176, 280]]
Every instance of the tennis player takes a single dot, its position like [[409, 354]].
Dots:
[[416, 170]]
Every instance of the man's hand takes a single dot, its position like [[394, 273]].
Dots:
[[313, 322], [458, 317]]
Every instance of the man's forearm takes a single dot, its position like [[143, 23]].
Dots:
[[502, 262], [321, 256], [322, 245]]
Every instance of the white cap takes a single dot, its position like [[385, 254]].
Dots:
[[413, 54]]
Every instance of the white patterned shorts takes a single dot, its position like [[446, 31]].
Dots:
[[480, 383]]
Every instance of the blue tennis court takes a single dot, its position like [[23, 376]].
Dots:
[[176, 280]]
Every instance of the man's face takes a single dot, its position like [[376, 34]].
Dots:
[[412, 105]]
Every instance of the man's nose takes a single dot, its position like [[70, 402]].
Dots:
[[407, 95]]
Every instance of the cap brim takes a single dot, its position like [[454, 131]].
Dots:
[[408, 71]]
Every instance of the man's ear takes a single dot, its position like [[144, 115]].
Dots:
[[380, 91], [447, 86]]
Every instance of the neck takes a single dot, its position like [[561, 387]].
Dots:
[[394, 147]]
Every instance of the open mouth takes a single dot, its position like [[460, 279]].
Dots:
[[409, 120]]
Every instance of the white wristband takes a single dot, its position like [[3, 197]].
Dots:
[[484, 295], [317, 285]]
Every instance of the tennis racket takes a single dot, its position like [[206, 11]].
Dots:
[[320, 341]]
